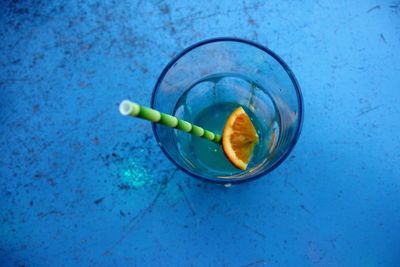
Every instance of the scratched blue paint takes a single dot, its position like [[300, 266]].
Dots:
[[81, 185]]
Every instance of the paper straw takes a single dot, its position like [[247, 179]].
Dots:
[[133, 109]]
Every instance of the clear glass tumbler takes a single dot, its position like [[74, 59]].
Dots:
[[212, 78]]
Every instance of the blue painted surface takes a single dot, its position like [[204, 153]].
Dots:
[[83, 186]]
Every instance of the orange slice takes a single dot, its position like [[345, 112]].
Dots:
[[239, 138]]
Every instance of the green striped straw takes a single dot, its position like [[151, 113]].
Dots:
[[130, 108]]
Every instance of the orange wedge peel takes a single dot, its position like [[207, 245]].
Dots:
[[239, 138]]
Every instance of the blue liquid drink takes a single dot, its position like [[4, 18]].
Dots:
[[208, 103]]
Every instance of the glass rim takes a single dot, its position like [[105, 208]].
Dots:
[[292, 78]]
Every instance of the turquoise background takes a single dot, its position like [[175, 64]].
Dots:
[[80, 185]]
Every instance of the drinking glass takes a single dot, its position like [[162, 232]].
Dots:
[[213, 77]]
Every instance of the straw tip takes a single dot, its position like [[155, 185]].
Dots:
[[129, 108]]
